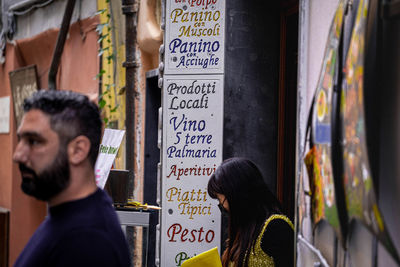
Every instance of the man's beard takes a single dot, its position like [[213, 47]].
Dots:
[[50, 182]]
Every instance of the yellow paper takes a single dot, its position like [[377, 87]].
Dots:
[[209, 258]]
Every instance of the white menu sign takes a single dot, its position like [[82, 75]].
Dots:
[[108, 150], [192, 150], [5, 114], [194, 36]]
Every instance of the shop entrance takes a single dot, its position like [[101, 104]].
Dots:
[[287, 105]]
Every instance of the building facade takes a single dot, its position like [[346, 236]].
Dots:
[[276, 55]]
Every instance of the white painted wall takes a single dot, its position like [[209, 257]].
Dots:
[[320, 19]]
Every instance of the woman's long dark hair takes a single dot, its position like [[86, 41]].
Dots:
[[250, 204]]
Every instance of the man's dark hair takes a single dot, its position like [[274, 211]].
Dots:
[[71, 114]]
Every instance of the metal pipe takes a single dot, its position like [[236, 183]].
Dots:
[[130, 9], [62, 35], [314, 250]]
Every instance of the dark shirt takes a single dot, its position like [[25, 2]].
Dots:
[[84, 232], [278, 242]]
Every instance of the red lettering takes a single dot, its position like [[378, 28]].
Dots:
[[200, 232], [173, 171], [193, 236], [211, 238], [176, 231], [180, 172], [184, 233]]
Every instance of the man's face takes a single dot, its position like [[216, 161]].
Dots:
[[42, 160]]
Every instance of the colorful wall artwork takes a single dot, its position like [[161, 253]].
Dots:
[[324, 195], [359, 188]]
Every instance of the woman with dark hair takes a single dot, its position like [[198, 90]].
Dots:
[[258, 233]]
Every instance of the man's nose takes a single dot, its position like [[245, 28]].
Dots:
[[20, 153]]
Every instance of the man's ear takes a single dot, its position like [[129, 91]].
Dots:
[[78, 150]]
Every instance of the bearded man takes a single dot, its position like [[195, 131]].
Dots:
[[58, 143]]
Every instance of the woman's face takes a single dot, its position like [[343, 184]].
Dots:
[[223, 202]]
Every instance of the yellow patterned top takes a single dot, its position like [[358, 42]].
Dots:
[[257, 257]]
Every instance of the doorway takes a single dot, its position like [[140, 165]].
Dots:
[[287, 105]]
